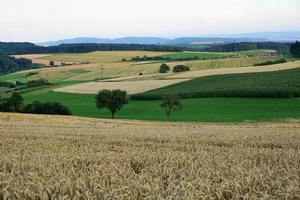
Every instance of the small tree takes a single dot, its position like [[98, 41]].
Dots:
[[113, 100], [51, 63], [164, 68], [171, 103], [14, 103]]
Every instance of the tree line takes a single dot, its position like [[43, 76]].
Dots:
[[295, 49], [9, 64], [113, 100], [283, 48], [165, 58], [14, 48]]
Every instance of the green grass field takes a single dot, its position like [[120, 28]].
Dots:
[[198, 110], [267, 84], [211, 55], [200, 55]]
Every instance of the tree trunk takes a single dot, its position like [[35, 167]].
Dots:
[[113, 115]]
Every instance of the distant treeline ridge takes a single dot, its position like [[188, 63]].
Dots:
[[14, 48]]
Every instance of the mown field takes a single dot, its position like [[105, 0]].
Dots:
[[278, 84], [44, 157], [198, 110]]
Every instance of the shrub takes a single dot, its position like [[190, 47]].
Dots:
[[36, 83], [47, 108], [51, 64], [19, 83], [271, 62], [181, 68], [32, 74], [7, 84], [164, 68]]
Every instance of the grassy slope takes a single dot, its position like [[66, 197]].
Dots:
[[201, 55], [211, 55], [201, 110], [233, 85]]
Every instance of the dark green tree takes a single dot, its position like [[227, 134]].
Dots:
[[171, 103], [14, 103], [295, 49], [164, 68], [113, 100], [181, 68], [51, 63]]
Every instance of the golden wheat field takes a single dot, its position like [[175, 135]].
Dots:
[[50, 157]]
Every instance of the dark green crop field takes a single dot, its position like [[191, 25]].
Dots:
[[280, 84]]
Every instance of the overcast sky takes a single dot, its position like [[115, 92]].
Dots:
[[42, 20]]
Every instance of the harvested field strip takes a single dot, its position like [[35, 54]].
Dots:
[[48, 157], [132, 87]]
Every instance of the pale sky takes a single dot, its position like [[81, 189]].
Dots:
[[43, 20]]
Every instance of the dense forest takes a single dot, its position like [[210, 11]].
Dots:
[[9, 64], [295, 49], [14, 48], [283, 48]]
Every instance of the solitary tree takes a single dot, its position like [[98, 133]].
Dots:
[[171, 103], [164, 68], [51, 63], [113, 100]]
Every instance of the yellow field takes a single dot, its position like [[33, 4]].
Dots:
[[101, 56], [132, 87], [44, 157]]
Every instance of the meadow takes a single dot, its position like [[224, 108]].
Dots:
[[197, 110], [52, 157]]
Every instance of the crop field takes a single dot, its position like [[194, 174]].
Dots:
[[132, 87], [44, 157], [235, 70], [225, 63], [285, 83], [101, 56], [200, 55], [109, 65]]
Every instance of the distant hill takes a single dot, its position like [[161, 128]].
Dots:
[[271, 36], [246, 37], [150, 40], [125, 40]]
